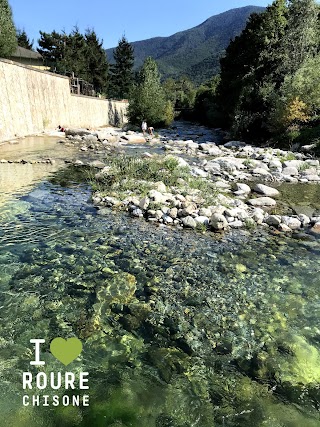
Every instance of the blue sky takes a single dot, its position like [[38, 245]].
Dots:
[[137, 19]]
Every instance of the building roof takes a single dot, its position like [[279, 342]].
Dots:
[[21, 52]]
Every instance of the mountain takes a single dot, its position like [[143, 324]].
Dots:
[[194, 52]]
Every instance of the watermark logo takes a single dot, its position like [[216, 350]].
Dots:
[[65, 351]]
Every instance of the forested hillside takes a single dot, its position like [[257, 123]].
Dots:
[[194, 52]]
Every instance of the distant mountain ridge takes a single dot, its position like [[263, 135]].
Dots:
[[194, 52]]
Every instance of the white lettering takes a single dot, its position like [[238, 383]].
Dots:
[[25, 400], [69, 380], [55, 400], [65, 400], [41, 380], [46, 397], [35, 400], [37, 361], [83, 380], [85, 400], [52, 382], [76, 400], [27, 380]]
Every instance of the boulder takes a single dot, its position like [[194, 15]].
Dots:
[[290, 171], [97, 164], [189, 222], [273, 220], [235, 144], [78, 132], [266, 191], [316, 228], [291, 222], [293, 164], [262, 201], [305, 220], [244, 188], [275, 164], [199, 172], [144, 203], [313, 178], [218, 222], [236, 224], [202, 220], [260, 171], [156, 196], [134, 139]]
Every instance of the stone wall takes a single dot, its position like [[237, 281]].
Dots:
[[32, 101]]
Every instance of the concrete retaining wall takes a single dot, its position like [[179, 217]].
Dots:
[[32, 101]]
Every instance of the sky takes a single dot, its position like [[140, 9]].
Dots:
[[136, 19]]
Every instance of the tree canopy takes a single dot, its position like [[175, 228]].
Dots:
[[81, 54], [147, 98], [121, 72], [8, 37], [23, 39], [269, 75]]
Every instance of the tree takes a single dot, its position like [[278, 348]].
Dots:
[[74, 53], [96, 62], [8, 38], [23, 39], [298, 100], [205, 108], [252, 60], [147, 99], [301, 38], [52, 48], [121, 72]]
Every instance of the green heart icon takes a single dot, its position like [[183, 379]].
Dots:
[[66, 350]]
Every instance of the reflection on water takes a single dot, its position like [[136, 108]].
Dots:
[[179, 329], [33, 147], [17, 178]]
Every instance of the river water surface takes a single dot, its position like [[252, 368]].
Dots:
[[179, 329]]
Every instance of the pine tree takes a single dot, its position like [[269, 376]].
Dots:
[[52, 47], [96, 62], [121, 73], [8, 38], [23, 39], [74, 53], [147, 100]]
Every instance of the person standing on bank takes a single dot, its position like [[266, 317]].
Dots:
[[144, 127]]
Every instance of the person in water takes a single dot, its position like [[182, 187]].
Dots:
[[144, 127]]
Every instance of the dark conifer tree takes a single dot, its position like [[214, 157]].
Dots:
[[52, 47], [96, 62], [23, 39], [121, 72]]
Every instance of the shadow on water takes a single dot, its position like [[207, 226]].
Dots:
[[178, 329]]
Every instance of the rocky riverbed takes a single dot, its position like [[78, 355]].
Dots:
[[244, 181], [179, 329]]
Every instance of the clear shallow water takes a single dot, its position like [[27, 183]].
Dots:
[[179, 329]]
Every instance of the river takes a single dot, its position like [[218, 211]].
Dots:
[[179, 329]]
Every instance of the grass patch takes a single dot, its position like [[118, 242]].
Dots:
[[136, 176], [289, 156]]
